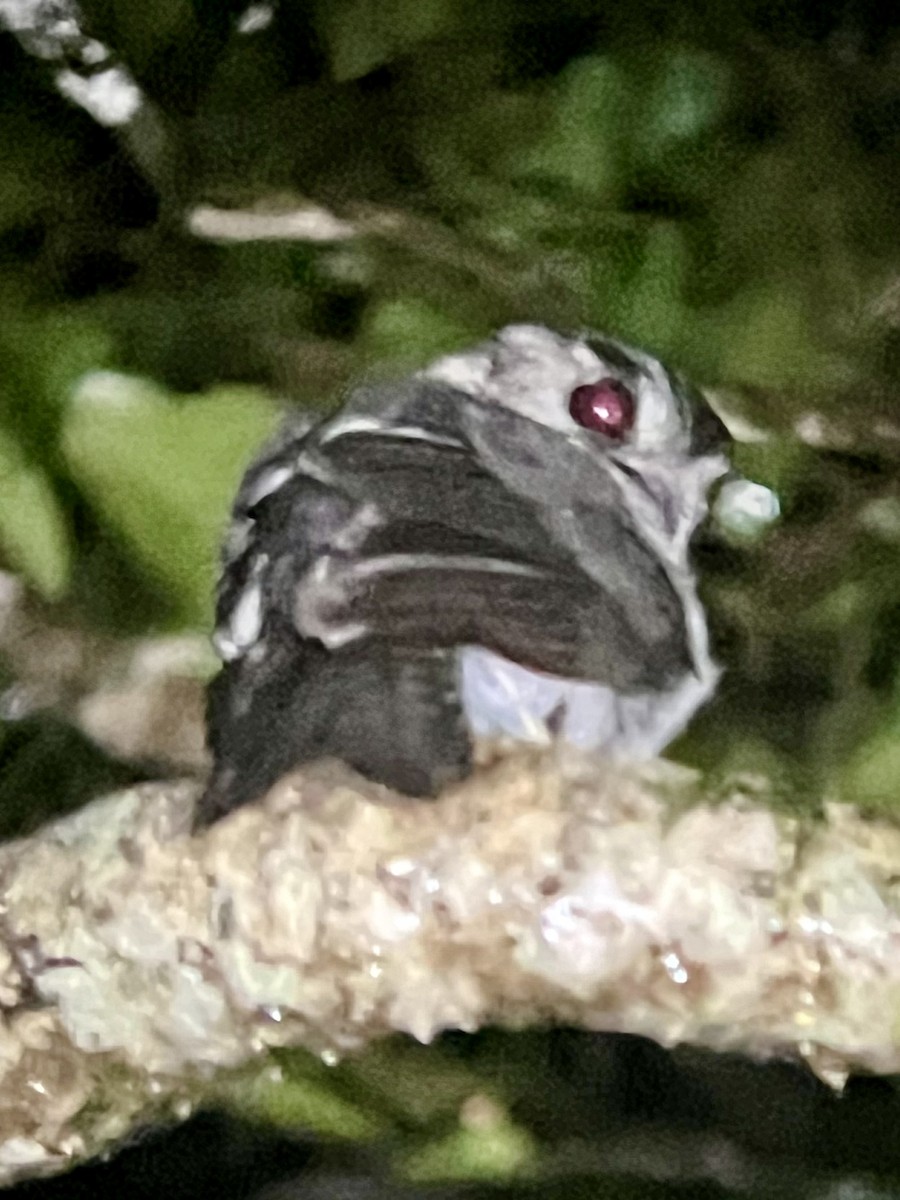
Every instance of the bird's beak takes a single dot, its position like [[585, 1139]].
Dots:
[[743, 508]]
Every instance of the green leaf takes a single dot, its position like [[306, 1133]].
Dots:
[[416, 1083], [653, 308], [492, 1149], [164, 473], [586, 143], [302, 1094], [66, 346], [769, 341], [34, 534], [41, 357], [687, 95], [407, 333], [872, 777]]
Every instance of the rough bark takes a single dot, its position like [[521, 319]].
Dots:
[[139, 961]]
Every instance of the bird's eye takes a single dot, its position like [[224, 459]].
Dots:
[[606, 406]]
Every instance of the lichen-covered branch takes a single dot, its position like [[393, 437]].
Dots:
[[138, 960]]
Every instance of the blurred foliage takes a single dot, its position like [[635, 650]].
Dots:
[[719, 182]]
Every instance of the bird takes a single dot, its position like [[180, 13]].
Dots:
[[495, 547]]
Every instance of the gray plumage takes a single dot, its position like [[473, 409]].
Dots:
[[453, 556]]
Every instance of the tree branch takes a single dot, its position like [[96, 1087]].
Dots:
[[136, 960]]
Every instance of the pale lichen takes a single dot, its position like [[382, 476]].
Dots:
[[137, 960]]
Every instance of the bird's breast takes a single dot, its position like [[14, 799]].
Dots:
[[502, 699]]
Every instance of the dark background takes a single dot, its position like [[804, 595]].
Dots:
[[718, 182]]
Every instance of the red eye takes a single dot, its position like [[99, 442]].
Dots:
[[606, 406]]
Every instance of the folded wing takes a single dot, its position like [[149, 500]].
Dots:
[[365, 551]]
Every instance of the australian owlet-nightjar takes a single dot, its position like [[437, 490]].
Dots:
[[496, 546]]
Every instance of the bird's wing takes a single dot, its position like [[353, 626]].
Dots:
[[486, 527], [391, 714], [365, 551]]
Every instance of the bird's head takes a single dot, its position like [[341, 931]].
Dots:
[[642, 423]]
